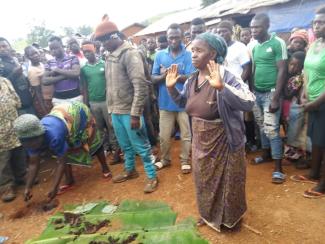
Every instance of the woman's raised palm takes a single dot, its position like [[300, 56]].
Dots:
[[172, 75]]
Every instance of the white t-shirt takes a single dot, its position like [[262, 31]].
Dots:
[[237, 56]]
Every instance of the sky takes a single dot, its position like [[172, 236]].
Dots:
[[18, 16]]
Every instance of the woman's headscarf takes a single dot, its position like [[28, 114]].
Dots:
[[28, 126], [217, 43], [303, 34]]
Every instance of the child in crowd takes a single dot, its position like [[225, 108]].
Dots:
[[292, 114]]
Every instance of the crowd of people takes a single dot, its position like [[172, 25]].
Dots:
[[222, 93]]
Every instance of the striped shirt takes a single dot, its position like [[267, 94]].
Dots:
[[66, 63]]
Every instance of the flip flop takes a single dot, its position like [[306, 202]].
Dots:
[[259, 160], [64, 188], [107, 176], [302, 179], [186, 168], [310, 193], [160, 165], [278, 177]]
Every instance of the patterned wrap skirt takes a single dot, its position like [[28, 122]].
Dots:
[[84, 139], [219, 175]]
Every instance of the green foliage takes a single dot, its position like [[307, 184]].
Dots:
[[85, 30], [39, 34], [206, 3], [68, 31], [145, 222], [19, 44]]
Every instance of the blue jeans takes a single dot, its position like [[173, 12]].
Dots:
[[269, 124], [132, 142]]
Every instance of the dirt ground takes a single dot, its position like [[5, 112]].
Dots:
[[276, 213]]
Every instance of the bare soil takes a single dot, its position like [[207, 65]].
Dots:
[[276, 213]]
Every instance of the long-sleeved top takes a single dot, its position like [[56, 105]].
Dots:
[[9, 103], [127, 87], [234, 98]]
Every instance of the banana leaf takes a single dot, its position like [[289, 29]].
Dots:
[[132, 222]]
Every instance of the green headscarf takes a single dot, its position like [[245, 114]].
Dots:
[[216, 42]]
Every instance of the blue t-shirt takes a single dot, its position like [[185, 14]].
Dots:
[[185, 67], [55, 138]]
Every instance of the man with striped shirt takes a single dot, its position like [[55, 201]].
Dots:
[[269, 60]]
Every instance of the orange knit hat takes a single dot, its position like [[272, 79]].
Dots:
[[301, 34], [105, 27]]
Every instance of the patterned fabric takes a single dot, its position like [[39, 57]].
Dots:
[[83, 139], [9, 102], [293, 86], [219, 175]]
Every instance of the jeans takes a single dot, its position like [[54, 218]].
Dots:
[[269, 124], [132, 142], [103, 121], [296, 135], [12, 166], [167, 123]]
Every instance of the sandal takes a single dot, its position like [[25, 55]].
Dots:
[[160, 165], [107, 176], [303, 179], [64, 188], [186, 168], [310, 193], [260, 160], [278, 177]]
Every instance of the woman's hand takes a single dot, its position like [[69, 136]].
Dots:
[[214, 77], [135, 122], [310, 106], [172, 76]]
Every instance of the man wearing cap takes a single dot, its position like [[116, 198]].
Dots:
[[126, 92]]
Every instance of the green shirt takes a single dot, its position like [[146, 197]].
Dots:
[[265, 58], [314, 68], [94, 76]]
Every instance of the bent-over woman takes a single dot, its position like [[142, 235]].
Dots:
[[69, 132]]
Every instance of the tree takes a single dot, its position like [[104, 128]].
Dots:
[[68, 31], [208, 2], [85, 30], [19, 45], [39, 34]]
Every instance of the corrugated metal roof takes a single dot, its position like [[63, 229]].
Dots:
[[218, 9], [162, 24], [212, 22], [246, 6]]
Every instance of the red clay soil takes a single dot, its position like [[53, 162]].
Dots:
[[276, 213]]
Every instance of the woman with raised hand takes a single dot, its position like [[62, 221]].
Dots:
[[215, 99]]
